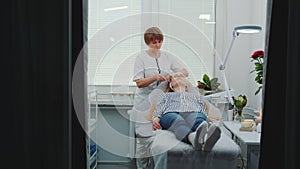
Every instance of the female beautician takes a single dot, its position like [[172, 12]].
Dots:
[[152, 66]]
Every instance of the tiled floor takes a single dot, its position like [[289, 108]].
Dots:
[[132, 165], [128, 166], [116, 166]]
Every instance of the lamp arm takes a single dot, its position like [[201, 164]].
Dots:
[[227, 89], [222, 69], [222, 66]]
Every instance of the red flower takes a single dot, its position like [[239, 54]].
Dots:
[[257, 58], [258, 54]]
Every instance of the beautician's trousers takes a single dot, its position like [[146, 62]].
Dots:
[[145, 159], [182, 124]]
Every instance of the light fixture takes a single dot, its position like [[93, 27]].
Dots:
[[115, 8], [242, 29], [204, 16], [210, 22], [247, 29]]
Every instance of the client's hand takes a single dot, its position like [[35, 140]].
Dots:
[[155, 124]]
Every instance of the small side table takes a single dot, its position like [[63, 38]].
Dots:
[[249, 142]]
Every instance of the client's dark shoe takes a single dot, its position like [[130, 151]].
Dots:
[[213, 135]]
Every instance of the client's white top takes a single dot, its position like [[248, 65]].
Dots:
[[179, 102]]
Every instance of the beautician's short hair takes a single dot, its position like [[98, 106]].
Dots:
[[153, 33]]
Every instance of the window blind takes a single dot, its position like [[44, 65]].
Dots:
[[188, 37]]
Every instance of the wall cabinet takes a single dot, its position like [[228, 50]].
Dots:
[[115, 134]]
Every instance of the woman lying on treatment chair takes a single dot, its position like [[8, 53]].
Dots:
[[184, 113]]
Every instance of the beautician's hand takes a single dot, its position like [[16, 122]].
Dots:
[[155, 124], [160, 77]]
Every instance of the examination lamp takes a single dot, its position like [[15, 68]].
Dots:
[[243, 29]]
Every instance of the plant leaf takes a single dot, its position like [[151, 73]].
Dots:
[[258, 90], [257, 78], [206, 80], [201, 85], [260, 73], [257, 64], [213, 80]]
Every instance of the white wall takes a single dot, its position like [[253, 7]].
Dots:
[[231, 13], [186, 36]]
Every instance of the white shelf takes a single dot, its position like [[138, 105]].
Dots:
[[93, 155], [92, 125], [93, 163], [92, 118]]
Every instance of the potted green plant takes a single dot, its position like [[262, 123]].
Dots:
[[207, 85], [239, 103]]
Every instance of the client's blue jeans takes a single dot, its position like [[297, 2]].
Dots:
[[182, 124]]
